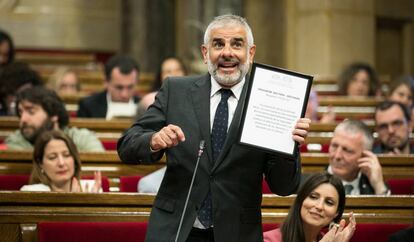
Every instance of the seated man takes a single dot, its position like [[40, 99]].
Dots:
[[351, 159], [40, 109], [393, 125], [121, 74]]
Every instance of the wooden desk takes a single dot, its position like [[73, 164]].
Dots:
[[20, 162], [346, 101], [21, 211], [94, 124], [32, 207], [393, 167]]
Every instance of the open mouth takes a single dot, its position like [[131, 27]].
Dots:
[[228, 66]]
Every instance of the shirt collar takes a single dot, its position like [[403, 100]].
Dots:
[[236, 89], [109, 100], [354, 183]]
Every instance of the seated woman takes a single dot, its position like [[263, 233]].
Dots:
[[359, 80], [171, 66], [64, 81], [57, 166], [402, 91], [320, 201]]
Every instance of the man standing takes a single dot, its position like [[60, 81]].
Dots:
[[40, 109], [351, 159], [118, 99], [393, 126], [225, 203]]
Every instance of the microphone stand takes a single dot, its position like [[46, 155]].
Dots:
[[200, 152]]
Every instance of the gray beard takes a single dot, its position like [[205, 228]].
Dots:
[[228, 80]]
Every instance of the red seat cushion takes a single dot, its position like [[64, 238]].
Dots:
[[322, 148], [376, 232], [13, 182], [92, 231], [104, 182], [267, 226], [363, 232], [265, 187], [109, 144], [401, 186], [129, 183]]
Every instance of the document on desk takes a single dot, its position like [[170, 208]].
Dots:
[[276, 99]]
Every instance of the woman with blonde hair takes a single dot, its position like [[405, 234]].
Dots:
[[64, 81]]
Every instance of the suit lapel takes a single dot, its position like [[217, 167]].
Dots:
[[201, 102], [102, 105], [233, 131]]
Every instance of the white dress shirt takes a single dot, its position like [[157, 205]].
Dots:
[[120, 109]]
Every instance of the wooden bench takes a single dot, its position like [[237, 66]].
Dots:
[[20, 212], [95, 124], [328, 85], [19, 162], [393, 167], [346, 101], [55, 58]]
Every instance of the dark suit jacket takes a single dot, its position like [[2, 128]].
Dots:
[[405, 235], [95, 106], [234, 179], [365, 187]]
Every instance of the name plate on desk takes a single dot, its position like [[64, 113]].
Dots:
[[276, 99]]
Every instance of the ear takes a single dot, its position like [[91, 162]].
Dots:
[[204, 53], [55, 122], [54, 118], [252, 52]]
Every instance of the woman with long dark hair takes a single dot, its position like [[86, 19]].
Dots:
[[319, 202]]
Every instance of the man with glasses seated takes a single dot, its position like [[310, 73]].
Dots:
[[351, 159], [393, 125], [118, 99]]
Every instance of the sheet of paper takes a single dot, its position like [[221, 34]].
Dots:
[[275, 104]]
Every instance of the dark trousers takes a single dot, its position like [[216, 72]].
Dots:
[[201, 235]]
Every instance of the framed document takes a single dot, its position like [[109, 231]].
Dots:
[[276, 99]]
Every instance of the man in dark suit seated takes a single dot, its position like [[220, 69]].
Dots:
[[351, 159], [118, 99], [393, 125], [225, 203]]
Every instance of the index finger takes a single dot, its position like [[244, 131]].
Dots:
[[98, 181], [352, 220], [368, 153], [178, 131], [303, 123], [75, 185]]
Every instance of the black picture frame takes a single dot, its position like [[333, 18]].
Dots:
[[246, 107]]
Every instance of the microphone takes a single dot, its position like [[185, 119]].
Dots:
[[200, 152]]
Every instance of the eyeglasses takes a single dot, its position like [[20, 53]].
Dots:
[[396, 124]]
